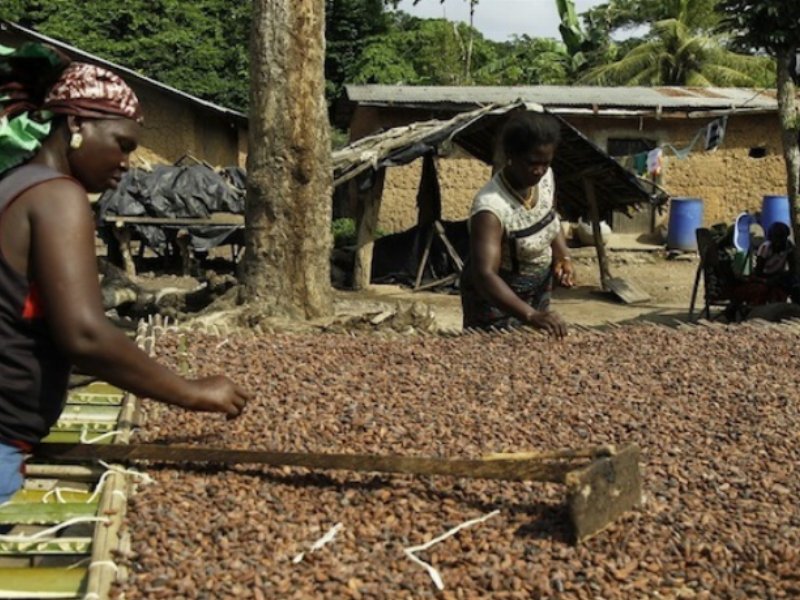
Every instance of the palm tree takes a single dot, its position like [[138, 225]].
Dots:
[[679, 52]]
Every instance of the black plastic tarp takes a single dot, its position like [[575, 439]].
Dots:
[[186, 192]]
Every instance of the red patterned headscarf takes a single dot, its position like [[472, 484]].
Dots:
[[85, 90]]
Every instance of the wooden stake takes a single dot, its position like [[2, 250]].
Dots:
[[424, 260], [594, 212], [369, 206]]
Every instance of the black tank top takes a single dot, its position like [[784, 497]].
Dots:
[[34, 373]]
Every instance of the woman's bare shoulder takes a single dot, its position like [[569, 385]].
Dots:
[[54, 192]]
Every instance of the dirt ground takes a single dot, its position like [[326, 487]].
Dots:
[[668, 282]]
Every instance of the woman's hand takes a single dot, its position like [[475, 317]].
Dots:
[[564, 272], [216, 394], [549, 321]]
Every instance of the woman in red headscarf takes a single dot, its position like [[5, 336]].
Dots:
[[65, 130]]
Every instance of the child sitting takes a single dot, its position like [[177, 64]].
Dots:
[[775, 265]]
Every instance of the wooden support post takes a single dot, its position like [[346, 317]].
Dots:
[[594, 212], [369, 205], [457, 262], [123, 236], [424, 260], [183, 241]]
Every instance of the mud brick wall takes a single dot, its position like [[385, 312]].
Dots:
[[459, 179], [173, 127], [728, 180]]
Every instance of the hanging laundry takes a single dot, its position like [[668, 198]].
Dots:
[[655, 162], [715, 133], [626, 161], [640, 163], [684, 153]]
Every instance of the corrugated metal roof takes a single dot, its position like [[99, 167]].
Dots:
[[127, 73], [571, 97]]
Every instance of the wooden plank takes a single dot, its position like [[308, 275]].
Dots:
[[45, 514], [37, 496], [74, 472], [98, 387], [89, 412], [221, 220], [42, 582], [52, 547], [98, 393], [91, 427], [74, 437], [452, 278], [603, 491], [626, 291], [107, 538], [505, 469], [567, 454], [92, 399]]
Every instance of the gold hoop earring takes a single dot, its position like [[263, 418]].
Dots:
[[76, 140]]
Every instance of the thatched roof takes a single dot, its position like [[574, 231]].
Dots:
[[476, 132]]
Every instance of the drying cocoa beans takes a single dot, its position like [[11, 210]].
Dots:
[[715, 412]]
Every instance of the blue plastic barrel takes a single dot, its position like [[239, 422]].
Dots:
[[685, 217], [774, 209]]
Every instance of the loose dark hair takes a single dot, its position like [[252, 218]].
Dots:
[[525, 131], [778, 229]]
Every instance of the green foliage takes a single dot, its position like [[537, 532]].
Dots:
[[619, 15], [771, 25], [526, 61], [339, 138], [199, 47], [420, 52], [12, 10], [348, 26], [678, 52], [586, 46], [345, 234], [434, 52]]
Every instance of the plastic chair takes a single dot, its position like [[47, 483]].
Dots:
[[741, 232], [719, 282]]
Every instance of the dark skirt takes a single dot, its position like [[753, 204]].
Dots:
[[533, 289]]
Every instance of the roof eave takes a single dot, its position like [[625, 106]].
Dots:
[[129, 74]]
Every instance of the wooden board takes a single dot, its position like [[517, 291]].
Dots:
[[49, 547], [626, 291], [42, 582], [218, 220], [603, 491], [38, 496], [45, 514], [510, 469]]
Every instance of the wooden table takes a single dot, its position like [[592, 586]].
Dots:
[[122, 229]]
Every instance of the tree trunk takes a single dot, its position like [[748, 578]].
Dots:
[[790, 129], [286, 266]]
